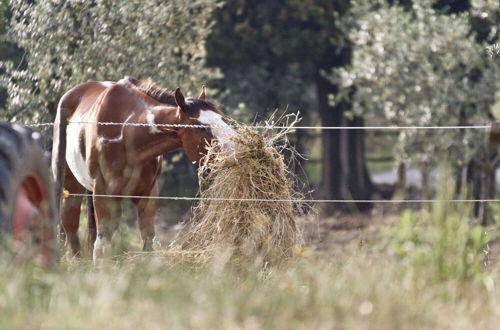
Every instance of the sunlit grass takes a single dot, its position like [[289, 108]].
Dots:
[[365, 287], [355, 292]]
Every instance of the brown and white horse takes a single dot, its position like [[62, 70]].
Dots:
[[124, 159]]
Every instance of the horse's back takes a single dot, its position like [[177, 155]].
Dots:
[[118, 102], [82, 97]]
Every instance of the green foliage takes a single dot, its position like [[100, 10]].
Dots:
[[444, 246], [440, 244], [408, 234], [284, 32], [494, 50], [486, 19], [68, 42], [271, 52], [416, 67], [3, 17]]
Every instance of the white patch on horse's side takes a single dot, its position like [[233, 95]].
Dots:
[[119, 138], [107, 83], [74, 157], [150, 118], [222, 131]]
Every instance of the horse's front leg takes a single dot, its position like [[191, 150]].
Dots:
[[107, 215], [146, 212]]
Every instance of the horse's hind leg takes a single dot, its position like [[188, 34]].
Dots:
[[91, 224], [107, 216], [70, 220], [70, 212], [146, 212]]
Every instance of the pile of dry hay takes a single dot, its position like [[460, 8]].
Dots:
[[227, 223]]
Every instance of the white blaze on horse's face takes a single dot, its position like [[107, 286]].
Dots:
[[221, 131]]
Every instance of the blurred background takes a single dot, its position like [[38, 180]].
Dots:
[[338, 62]]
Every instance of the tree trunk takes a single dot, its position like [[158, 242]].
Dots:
[[332, 176], [360, 185], [344, 171], [481, 178], [400, 188], [426, 169]]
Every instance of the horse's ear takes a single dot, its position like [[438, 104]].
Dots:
[[180, 100], [203, 94]]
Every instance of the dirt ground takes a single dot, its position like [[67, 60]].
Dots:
[[342, 234], [323, 236]]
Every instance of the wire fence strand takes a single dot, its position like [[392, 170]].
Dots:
[[222, 199], [273, 127]]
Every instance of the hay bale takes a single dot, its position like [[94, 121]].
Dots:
[[256, 231]]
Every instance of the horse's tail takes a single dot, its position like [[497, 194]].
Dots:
[[91, 224], [59, 156], [59, 149]]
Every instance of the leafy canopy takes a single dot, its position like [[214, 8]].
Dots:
[[68, 42], [416, 67]]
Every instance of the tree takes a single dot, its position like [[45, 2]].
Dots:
[[8, 50], [67, 42], [418, 67], [273, 52]]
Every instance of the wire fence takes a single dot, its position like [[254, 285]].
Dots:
[[276, 127], [273, 127], [181, 198]]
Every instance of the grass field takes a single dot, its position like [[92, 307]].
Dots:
[[392, 270]]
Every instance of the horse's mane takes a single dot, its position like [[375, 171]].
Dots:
[[166, 96], [150, 88]]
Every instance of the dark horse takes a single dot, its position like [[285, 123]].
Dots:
[[124, 159]]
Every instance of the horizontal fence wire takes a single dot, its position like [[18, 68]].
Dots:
[[177, 198], [273, 127]]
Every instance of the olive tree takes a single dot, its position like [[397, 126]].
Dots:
[[68, 42], [416, 67]]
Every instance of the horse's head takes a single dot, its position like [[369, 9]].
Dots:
[[197, 111]]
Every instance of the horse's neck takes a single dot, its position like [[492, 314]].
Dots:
[[154, 141]]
